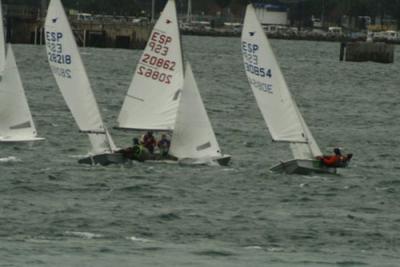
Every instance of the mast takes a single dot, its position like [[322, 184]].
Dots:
[[153, 11], [189, 12]]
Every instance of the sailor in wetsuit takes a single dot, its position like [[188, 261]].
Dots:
[[336, 160], [163, 145], [135, 152], [149, 142]]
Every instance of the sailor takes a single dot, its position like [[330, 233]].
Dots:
[[336, 160], [163, 145], [149, 142], [135, 152]]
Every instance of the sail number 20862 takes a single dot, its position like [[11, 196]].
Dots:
[[159, 62]]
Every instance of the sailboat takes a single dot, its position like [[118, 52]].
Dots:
[[280, 112], [70, 75], [16, 124], [193, 139], [153, 96], [153, 101]]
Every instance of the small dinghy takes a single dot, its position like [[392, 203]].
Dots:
[[70, 74], [155, 100], [280, 112]]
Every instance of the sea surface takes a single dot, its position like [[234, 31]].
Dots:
[[55, 212]]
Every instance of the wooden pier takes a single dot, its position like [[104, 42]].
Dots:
[[367, 51], [26, 25], [111, 34]]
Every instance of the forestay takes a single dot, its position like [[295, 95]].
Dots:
[[193, 136], [277, 106], [16, 122], [69, 72], [153, 96]]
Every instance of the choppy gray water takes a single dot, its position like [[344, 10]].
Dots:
[[54, 212]]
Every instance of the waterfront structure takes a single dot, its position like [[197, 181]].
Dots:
[[269, 14]]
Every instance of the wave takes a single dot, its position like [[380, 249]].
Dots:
[[10, 159], [86, 235], [350, 263], [214, 253], [138, 239], [253, 247], [137, 188]]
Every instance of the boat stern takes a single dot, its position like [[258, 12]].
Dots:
[[303, 167]]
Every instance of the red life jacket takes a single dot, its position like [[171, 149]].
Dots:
[[332, 160]]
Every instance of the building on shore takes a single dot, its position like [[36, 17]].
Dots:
[[269, 14]]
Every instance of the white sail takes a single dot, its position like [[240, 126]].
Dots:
[[16, 122], [277, 106], [70, 74], [153, 96], [308, 150], [2, 42], [193, 135]]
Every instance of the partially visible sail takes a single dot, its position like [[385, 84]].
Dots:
[[310, 150], [70, 74], [153, 96], [2, 42], [16, 122], [193, 135], [278, 108], [268, 83]]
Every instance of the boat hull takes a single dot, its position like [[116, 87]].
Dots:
[[119, 158], [224, 160], [303, 166], [19, 140], [104, 159]]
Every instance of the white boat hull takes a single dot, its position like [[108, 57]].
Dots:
[[19, 140], [222, 160], [104, 159], [302, 166]]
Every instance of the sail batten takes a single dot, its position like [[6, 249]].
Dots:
[[153, 96], [70, 74], [280, 112]]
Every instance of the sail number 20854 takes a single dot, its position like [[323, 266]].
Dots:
[[250, 54]]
